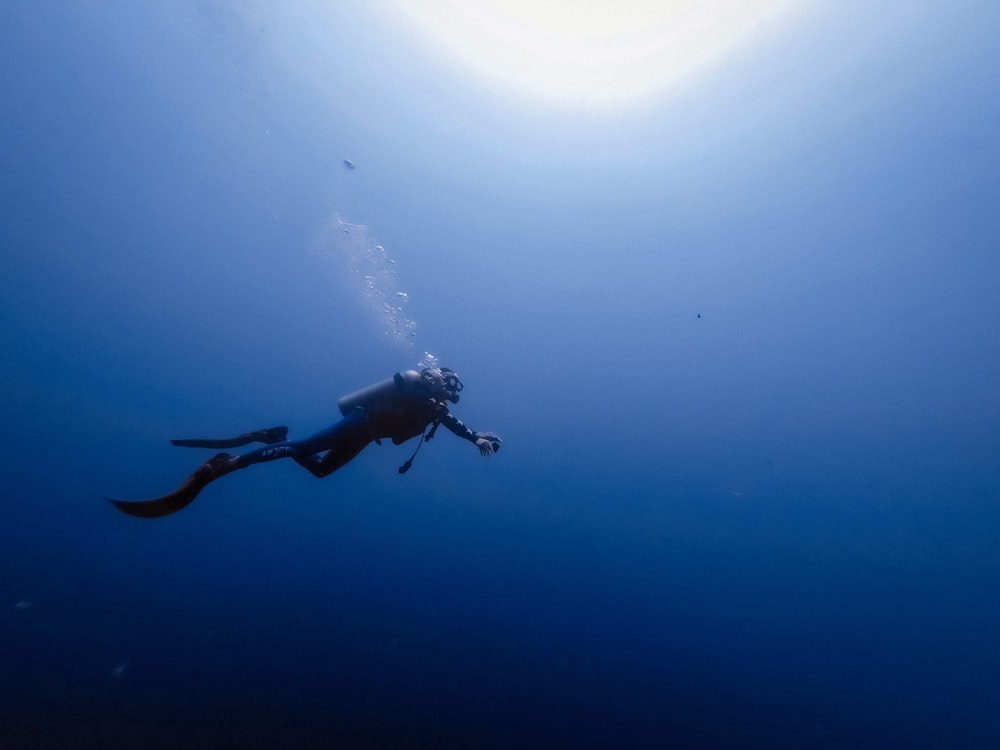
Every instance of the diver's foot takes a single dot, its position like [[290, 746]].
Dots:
[[219, 460], [270, 435], [217, 465]]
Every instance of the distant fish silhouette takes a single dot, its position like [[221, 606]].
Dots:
[[348, 163]]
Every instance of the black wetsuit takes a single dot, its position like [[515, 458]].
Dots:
[[398, 419]]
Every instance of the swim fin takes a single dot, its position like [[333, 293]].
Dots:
[[270, 435], [180, 498]]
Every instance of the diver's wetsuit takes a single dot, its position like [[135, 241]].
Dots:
[[404, 416], [399, 421]]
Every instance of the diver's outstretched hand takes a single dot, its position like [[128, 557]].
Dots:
[[488, 443]]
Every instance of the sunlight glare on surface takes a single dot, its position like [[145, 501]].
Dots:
[[587, 53]]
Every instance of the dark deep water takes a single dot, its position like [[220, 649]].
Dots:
[[743, 348]]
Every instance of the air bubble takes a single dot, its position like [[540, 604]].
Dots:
[[370, 274]]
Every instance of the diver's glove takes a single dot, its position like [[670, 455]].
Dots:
[[488, 443]]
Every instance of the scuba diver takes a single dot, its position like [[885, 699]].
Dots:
[[404, 406]]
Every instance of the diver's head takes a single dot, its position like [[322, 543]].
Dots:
[[442, 383]]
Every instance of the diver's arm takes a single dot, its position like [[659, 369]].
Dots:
[[487, 442]]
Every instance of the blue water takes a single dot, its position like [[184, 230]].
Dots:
[[742, 344]]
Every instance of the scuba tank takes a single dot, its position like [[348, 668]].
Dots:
[[405, 382]]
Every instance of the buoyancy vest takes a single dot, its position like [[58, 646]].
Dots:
[[398, 408]]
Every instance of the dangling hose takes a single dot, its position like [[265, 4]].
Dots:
[[428, 434]]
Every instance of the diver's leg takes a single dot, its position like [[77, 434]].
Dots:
[[215, 467], [342, 442], [286, 449], [333, 459]]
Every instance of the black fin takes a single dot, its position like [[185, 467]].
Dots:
[[161, 506], [269, 436], [183, 496]]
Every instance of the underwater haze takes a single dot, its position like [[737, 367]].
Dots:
[[739, 331]]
